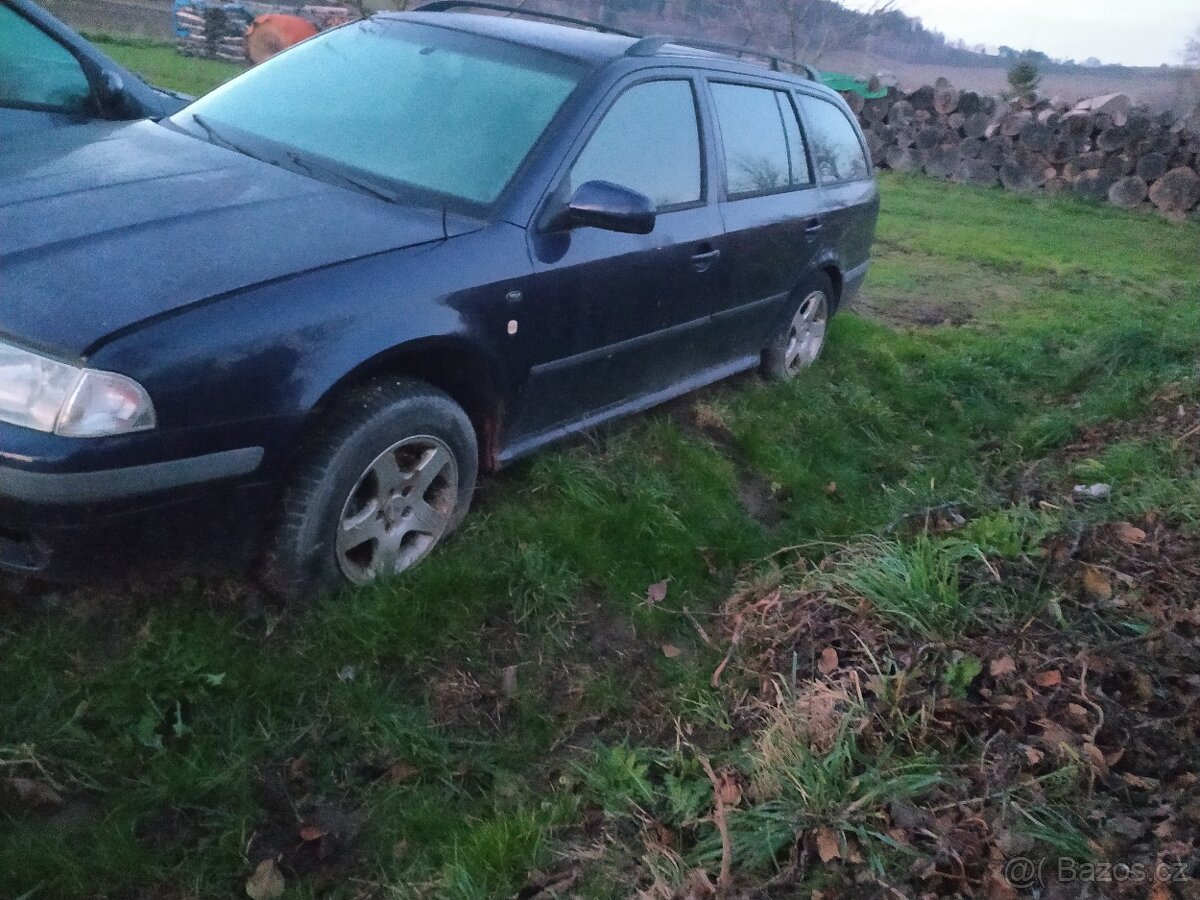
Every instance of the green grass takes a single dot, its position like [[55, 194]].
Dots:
[[174, 723], [163, 66]]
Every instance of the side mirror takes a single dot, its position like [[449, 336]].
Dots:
[[602, 204]]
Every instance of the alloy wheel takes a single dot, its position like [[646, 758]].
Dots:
[[398, 510], [806, 337]]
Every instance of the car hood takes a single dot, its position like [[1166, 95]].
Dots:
[[105, 225]]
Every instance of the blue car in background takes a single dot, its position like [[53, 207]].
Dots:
[[51, 77]]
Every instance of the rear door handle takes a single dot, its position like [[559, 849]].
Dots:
[[701, 262], [813, 226]]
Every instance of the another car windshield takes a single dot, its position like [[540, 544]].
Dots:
[[424, 110]]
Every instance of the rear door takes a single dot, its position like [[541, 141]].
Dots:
[[621, 319], [771, 206], [848, 188]]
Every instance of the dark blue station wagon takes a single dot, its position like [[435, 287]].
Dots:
[[290, 324]]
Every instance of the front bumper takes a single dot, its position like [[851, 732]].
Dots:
[[197, 510]]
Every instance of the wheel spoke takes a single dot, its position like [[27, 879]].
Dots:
[[360, 528], [431, 465], [388, 475], [424, 519]]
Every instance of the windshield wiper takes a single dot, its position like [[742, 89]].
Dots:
[[215, 137], [323, 170]]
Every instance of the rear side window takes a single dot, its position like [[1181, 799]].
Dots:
[[764, 150], [36, 70], [649, 140], [837, 153]]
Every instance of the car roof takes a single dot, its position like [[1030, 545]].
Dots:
[[592, 47]]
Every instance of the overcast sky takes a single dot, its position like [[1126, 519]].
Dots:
[[1133, 32]]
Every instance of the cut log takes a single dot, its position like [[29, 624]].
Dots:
[[1128, 193], [1092, 185], [971, 148], [969, 103], [943, 162], [1113, 139], [976, 124], [876, 147], [922, 98], [855, 101], [1181, 159], [998, 150], [901, 159], [1092, 160], [1152, 167], [955, 121], [1056, 186], [945, 100], [901, 113], [931, 136], [1117, 166], [1176, 192], [976, 171], [1118, 106], [1012, 123], [906, 136], [1022, 176], [1036, 136]]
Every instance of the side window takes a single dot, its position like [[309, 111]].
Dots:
[[837, 153], [36, 70], [764, 150], [649, 140]]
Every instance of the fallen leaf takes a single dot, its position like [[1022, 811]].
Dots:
[[508, 681], [831, 488], [32, 791], [1051, 678], [1137, 781], [656, 593], [1093, 755], [827, 844], [1034, 755], [828, 661], [728, 791], [400, 772], [1002, 666], [670, 651], [1096, 584], [312, 833], [1130, 533], [266, 883]]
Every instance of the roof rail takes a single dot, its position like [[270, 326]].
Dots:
[[649, 46], [644, 46], [448, 5]]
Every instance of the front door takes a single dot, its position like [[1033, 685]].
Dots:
[[625, 318]]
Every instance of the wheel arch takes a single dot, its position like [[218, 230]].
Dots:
[[462, 370]]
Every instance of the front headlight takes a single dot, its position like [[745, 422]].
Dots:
[[50, 396]]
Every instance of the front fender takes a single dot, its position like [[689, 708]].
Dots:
[[250, 369]]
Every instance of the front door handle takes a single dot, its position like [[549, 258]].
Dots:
[[702, 262], [813, 226]]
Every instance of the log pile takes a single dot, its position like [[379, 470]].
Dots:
[[216, 29], [1104, 149]]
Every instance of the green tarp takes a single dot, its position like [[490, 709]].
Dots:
[[840, 82]]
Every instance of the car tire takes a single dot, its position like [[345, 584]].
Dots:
[[800, 342], [387, 476]]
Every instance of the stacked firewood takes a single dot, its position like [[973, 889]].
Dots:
[[1104, 148], [217, 28]]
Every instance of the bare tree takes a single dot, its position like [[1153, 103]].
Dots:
[[805, 30]]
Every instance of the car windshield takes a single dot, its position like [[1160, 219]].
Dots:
[[431, 114]]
